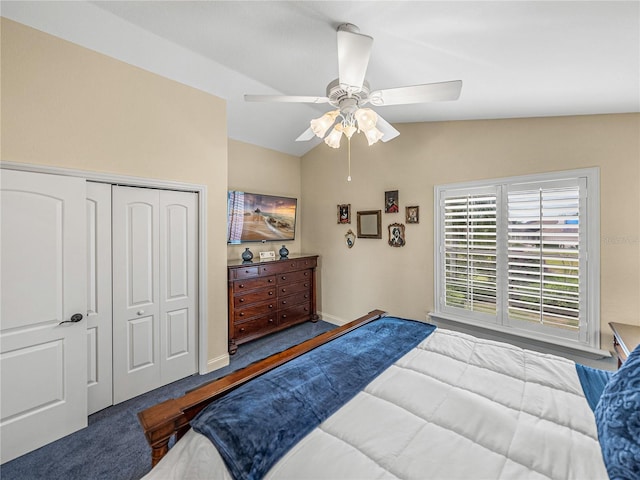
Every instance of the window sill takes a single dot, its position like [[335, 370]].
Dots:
[[506, 334]]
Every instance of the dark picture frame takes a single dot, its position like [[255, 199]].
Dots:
[[391, 202], [396, 235], [344, 213], [369, 224], [412, 214]]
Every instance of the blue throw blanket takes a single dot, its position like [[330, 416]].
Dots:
[[255, 425]]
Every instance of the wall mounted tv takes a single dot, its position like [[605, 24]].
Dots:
[[254, 217]]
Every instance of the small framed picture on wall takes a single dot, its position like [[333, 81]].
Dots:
[[413, 214], [391, 204], [344, 213], [396, 235]]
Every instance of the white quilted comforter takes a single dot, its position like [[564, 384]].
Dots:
[[454, 407]]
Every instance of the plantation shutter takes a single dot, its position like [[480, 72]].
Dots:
[[469, 251], [512, 256], [544, 254]]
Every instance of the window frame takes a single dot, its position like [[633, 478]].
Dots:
[[588, 338]]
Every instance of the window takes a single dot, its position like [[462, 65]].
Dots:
[[521, 255]]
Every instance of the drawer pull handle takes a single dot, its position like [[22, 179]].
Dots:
[[242, 330], [306, 284], [284, 315], [306, 309], [283, 277], [270, 306], [270, 293], [271, 280], [271, 320], [306, 296], [284, 302], [242, 314], [284, 290], [306, 273], [242, 300], [241, 285]]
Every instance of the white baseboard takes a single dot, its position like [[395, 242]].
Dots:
[[217, 363], [331, 319]]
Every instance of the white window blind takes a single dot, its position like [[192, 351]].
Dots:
[[544, 255], [470, 252], [513, 253]]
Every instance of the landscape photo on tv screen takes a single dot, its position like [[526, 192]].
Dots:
[[253, 217]]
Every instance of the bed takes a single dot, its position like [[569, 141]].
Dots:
[[439, 404]]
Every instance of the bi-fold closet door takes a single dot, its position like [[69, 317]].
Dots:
[[153, 288]]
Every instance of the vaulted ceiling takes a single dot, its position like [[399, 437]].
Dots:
[[516, 59]]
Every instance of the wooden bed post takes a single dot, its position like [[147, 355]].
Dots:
[[171, 417]]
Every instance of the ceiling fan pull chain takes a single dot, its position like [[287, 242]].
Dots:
[[349, 157]]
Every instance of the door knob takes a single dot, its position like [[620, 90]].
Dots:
[[75, 318], [140, 312]]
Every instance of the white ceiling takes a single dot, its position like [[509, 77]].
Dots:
[[516, 59]]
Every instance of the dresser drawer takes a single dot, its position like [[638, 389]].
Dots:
[[255, 296], [244, 272], [281, 266], [294, 314], [254, 326], [250, 311], [240, 286], [286, 302], [294, 277], [291, 288]]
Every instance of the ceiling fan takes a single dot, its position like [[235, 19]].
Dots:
[[350, 92]]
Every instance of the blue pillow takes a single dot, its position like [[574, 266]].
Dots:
[[618, 420]]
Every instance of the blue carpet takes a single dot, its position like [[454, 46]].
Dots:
[[113, 446]]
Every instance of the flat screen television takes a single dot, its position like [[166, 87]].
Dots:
[[254, 217]]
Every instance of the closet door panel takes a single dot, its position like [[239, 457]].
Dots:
[[136, 305], [99, 301], [178, 283]]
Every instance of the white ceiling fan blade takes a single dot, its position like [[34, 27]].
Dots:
[[354, 50], [389, 133], [285, 99], [429, 92], [306, 135]]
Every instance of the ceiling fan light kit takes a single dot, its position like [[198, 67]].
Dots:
[[350, 92], [319, 126]]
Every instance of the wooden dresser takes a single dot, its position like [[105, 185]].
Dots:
[[265, 297]]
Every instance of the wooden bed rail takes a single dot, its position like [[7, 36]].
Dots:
[[171, 417]]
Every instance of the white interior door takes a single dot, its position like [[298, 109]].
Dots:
[[42, 361], [154, 288], [99, 321]]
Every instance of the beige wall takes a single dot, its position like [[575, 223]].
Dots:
[[400, 280], [66, 106], [260, 170]]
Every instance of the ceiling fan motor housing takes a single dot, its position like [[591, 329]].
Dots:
[[347, 102]]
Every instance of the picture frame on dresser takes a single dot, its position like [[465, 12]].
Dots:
[[266, 297]]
